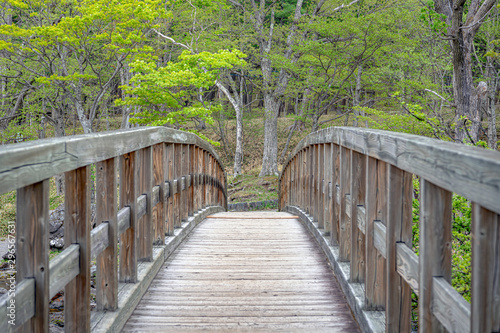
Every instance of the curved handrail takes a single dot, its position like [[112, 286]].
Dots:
[[166, 178], [357, 185]]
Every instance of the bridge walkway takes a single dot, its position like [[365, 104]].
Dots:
[[252, 271]]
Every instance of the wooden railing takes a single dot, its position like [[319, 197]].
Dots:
[[354, 189], [148, 181]]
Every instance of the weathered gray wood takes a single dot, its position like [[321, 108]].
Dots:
[[158, 194], [77, 231], [485, 270], [142, 205], [357, 197], [145, 222], [169, 155], [375, 261], [328, 209], [407, 265], [379, 237], [129, 189], [177, 206], [255, 291], [450, 308], [64, 268], [399, 231], [123, 218], [107, 256], [360, 218], [27, 163], [32, 257], [99, 239], [25, 302], [434, 247], [442, 163]]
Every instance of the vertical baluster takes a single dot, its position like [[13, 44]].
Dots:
[[376, 205], [169, 229], [335, 205], [177, 188], [314, 182], [485, 307], [183, 212], [358, 186], [195, 179], [192, 164], [344, 218], [201, 201], [321, 186], [399, 230], [205, 187], [435, 249], [145, 236], [107, 261], [77, 231], [159, 210], [327, 167], [32, 256], [310, 179], [129, 189]]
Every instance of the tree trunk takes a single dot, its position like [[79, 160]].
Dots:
[[270, 153], [357, 94], [493, 85]]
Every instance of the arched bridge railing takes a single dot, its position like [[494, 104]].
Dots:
[[148, 181], [354, 189]]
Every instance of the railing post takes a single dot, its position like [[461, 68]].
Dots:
[[485, 307], [177, 179], [107, 261], [335, 205], [344, 218], [314, 183], [321, 184], [191, 168], [32, 256], [328, 167], [160, 175], [169, 230], [145, 236], [128, 198], [358, 193], [435, 249], [399, 230], [376, 205], [77, 231]]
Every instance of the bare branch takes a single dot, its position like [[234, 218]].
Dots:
[[435, 93], [345, 6], [170, 39]]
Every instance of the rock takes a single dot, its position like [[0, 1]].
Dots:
[[56, 226], [3, 291]]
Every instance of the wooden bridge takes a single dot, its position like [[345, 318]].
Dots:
[[351, 189]]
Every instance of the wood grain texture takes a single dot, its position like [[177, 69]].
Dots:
[[358, 193], [485, 270], [160, 175], [30, 162], [434, 247], [407, 265], [234, 274], [106, 216], [99, 239], [32, 256], [145, 222], [169, 152], [24, 311], [380, 237], [77, 231], [129, 190], [64, 268], [450, 308], [399, 231], [468, 171]]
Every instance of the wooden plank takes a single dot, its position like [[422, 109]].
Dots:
[[379, 237], [169, 152], [357, 197], [485, 270], [159, 197], [242, 217], [16, 310], [99, 239], [145, 222], [375, 262], [334, 240], [399, 231], [77, 231], [64, 268], [107, 260], [123, 218], [298, 288], [407, 265], [177, 176], [361, 218], [129, 189], [468, 171], [184, 173], [32, 257], [434, 247], [450, 308]]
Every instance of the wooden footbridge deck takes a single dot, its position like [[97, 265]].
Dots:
[[344, 262], [257, 271]]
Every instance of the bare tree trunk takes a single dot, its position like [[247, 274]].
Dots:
[[357, 94], [493, 85]]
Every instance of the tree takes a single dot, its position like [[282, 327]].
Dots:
[[463, 19]]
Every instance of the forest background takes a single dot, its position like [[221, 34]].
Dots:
[[253, 76]]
